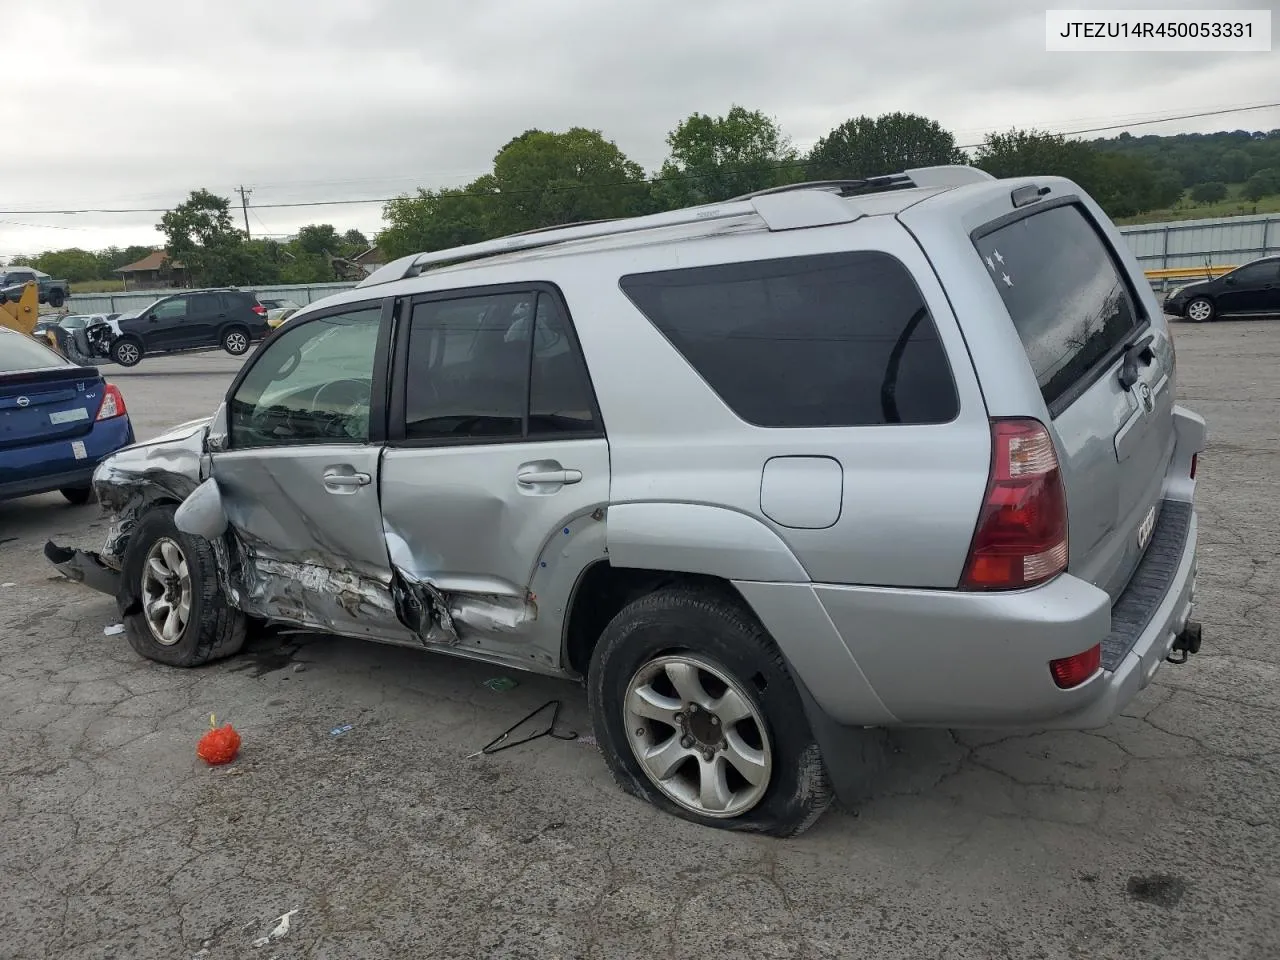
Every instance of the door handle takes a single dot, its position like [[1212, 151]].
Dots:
[[347, 480], [530, 477]]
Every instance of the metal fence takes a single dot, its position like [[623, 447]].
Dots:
[[134, 301], [1221, 241]]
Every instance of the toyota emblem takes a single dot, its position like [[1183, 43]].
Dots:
[[23, 401], [1144, 395]]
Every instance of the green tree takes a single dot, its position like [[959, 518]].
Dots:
[[716, 158], [200, 235], [1264, 183], [544, 179], [869, 147], [320, 238], [73, 264], [439, 219], [355, 241], [113, 258], [1030, 153], [1210, 192]]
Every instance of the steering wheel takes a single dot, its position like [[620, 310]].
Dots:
[[356, 402]]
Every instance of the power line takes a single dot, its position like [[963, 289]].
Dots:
[[591, 186]]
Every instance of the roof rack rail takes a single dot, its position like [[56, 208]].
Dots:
[[811, 204]]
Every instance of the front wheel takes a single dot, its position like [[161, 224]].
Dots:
[[126, 351], [696, 713], [235, 342], [174, 609], [1200, 310]]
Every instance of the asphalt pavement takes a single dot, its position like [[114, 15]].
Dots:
[[356, 810]]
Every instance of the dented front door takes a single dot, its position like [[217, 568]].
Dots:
[[299, 478], [496, 462]]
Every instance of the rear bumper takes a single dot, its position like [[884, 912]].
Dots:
[[44, 467]]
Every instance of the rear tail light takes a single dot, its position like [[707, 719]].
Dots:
[[1021, 536], [1072, 671], [112, 403], [259, 309]]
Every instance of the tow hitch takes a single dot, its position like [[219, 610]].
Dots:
[[1187, 642]]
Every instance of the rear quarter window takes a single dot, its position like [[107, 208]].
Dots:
[[835, 340], [1069, 301]]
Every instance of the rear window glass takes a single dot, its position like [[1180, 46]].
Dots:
[[1064, 293], [21, 353], [837, 340]]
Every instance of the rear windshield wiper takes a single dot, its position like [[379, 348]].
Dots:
[[1136, 355]]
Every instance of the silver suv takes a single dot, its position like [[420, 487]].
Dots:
[[762, 474]]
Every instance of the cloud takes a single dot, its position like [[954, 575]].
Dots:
[[327, 99]]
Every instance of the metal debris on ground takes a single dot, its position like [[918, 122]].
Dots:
[[501, 684], [500, 742], [339, 731], [114, 630]]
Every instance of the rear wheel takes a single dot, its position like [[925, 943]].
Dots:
[[176, 612], [1200, 310], [236, 341], [126, 351], [77, 495], [56, 298], [696, 713]]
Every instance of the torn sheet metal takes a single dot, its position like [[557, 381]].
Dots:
[[306, 593]]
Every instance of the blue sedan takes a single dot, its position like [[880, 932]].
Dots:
[[57, 421]]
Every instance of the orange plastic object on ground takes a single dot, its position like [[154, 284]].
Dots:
[[220, 745]]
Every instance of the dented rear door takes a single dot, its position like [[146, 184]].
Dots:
[[299, 477]]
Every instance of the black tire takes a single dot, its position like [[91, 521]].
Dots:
[[719, 630], [127, 351], [214, 629], [236, 341], [77, 495], [1208, 304], [56, 298]]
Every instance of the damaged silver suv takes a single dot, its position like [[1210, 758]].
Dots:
[[763, 474]]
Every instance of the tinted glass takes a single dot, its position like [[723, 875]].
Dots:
[[312, 385], [204, 305], [837, 340], [170, 309], [22, 353], [1064, 293], [468, 368], [1256, 273], [560, 396]]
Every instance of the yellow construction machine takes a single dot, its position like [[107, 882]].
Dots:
[[23, 312]]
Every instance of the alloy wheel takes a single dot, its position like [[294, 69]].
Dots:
[[166, 591]]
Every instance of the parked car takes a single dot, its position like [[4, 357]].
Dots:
[[1249, 290], [51, 291], [195, 320], [72, 321], [761, 474], [278, 311], [57, 421]]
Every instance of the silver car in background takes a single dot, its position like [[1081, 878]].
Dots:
[[762, 474]]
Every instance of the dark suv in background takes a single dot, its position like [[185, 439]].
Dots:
[[200, 319]]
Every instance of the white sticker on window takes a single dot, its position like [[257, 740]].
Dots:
[[69, 416], [77, 447]]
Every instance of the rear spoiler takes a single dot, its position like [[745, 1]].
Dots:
[[51, 374]]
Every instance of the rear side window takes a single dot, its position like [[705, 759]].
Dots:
[[1066, 296], [22, 353], [836, 340]]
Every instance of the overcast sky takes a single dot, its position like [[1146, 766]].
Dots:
[[137, 102]]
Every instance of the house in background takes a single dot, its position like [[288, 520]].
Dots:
[[153, 272], [370, 260]]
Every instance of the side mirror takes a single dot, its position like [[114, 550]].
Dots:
[[1229, 281], [215, 439]]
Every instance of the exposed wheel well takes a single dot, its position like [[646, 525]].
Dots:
[[603, 590]]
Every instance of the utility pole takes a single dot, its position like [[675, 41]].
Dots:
[[244, 205]]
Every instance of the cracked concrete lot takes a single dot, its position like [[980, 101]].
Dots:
[[1158, 836]]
